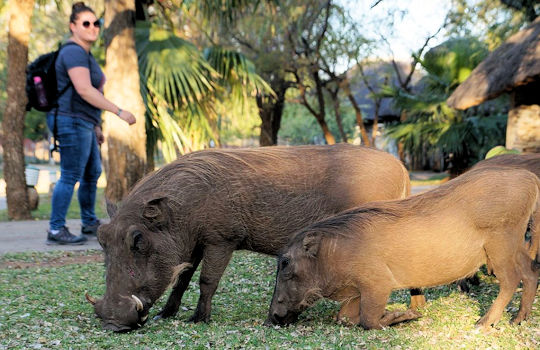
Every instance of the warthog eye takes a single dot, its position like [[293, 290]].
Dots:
[[284, 263], [138, 243]]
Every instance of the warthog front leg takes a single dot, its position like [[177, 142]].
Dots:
[[215, 260], [373, 314], [349, 312], [175, 298], [393, 317], [372, 304]]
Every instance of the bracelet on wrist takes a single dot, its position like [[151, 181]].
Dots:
[[119, 112]]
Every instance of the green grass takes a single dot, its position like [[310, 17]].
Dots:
[[436, 179], [45, 307], [43, 210]]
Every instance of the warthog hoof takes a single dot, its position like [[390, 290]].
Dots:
[[196, 318], [165, 313]]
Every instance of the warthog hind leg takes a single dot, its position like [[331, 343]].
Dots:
[[349, 312], [215, 260], [506, 268], [530, 284]]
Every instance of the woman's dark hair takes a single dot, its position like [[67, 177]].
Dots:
[[77, 8]]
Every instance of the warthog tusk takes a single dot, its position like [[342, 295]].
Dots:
[[90, 299], [144, 318], [138, 303]]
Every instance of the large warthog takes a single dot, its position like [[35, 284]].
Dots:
[[359, 256], [207, 204]]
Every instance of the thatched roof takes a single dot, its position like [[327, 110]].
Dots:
[[516, 62]]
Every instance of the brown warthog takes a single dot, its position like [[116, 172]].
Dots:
[[208, 204], [359, 256]]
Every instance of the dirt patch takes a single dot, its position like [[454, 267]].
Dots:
[[54, 262]]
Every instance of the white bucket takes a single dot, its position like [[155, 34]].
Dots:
[[52, 176], [32, 175]]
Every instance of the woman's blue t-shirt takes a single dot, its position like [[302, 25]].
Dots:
[[71, 103]]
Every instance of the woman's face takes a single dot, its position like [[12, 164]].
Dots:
[[86, 27]]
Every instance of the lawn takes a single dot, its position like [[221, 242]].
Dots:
[[435, 179], [42, 305]]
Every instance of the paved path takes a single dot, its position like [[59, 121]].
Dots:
[[23, 236]]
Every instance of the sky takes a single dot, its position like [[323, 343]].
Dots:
[[415, 20]]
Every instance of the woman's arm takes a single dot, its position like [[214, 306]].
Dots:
[[80, 77]]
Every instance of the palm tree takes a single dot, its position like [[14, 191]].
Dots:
[[13, 123]]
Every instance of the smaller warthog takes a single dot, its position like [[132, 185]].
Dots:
[[201, 208], [529, 162], [358, 257]]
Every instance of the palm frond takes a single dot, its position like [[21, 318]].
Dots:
[[179, 87], [172, 68], [237, 73]]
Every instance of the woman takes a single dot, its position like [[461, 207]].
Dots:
[[78, 129]]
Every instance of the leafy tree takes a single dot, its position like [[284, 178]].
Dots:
[[283, 41], [491, 21], [431, 124]]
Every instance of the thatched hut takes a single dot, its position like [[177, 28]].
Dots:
[[514, 67]]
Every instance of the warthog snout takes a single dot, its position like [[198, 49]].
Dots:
[[280, 315], [121, 315], [281, 319]]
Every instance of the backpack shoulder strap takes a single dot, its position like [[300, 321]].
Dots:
[[69, 84]]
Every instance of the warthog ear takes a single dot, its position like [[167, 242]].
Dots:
[[157, 211], [311, 243], [111, 208]]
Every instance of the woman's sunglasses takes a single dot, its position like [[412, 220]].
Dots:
[[96, 24]]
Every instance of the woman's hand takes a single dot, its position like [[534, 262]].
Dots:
[[99, 135], [127, 116]]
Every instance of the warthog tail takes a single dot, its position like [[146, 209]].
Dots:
[[534, 248]]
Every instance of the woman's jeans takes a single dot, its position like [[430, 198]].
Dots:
[[79, 161]]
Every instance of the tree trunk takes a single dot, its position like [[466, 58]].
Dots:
[[13, 123], [270, 112], [125, 151], [401, 148], [339, 120], [357, 111], [375, 128], [330, 140]]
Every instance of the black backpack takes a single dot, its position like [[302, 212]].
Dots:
[[43, 67]]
